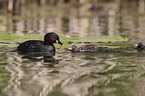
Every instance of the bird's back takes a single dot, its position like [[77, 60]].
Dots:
[[35, 46]]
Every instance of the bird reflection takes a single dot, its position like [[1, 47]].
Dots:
[[46, 57]]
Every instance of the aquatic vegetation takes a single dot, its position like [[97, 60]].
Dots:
[[100, 41], [11, 40]]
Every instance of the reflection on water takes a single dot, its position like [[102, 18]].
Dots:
[[122, 18], [119, 72], [116, 73], [47, 58], [26, 74], [79, 21]]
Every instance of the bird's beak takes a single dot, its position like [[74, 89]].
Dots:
[[70, 48], [59, 42], [136, 44]]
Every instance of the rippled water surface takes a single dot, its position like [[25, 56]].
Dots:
[[118, 72]]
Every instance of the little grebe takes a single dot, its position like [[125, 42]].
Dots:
[[40, 46]]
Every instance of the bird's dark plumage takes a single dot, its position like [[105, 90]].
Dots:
[[86, 48], [40, 46]]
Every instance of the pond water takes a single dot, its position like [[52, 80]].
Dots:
[[119, 72]]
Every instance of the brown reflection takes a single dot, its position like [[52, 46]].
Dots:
[[123, 18], [141, 6], [113, 20], [65, 24]]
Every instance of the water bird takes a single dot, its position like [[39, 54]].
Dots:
[[40, 46], [93, 7], [85, 48], [139, 46]]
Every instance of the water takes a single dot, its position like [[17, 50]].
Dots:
[[119, 72], [69, 74]]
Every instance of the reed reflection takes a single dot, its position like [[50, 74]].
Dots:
[[122, 18]]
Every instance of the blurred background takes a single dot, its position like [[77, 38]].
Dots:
[[74, 17]]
